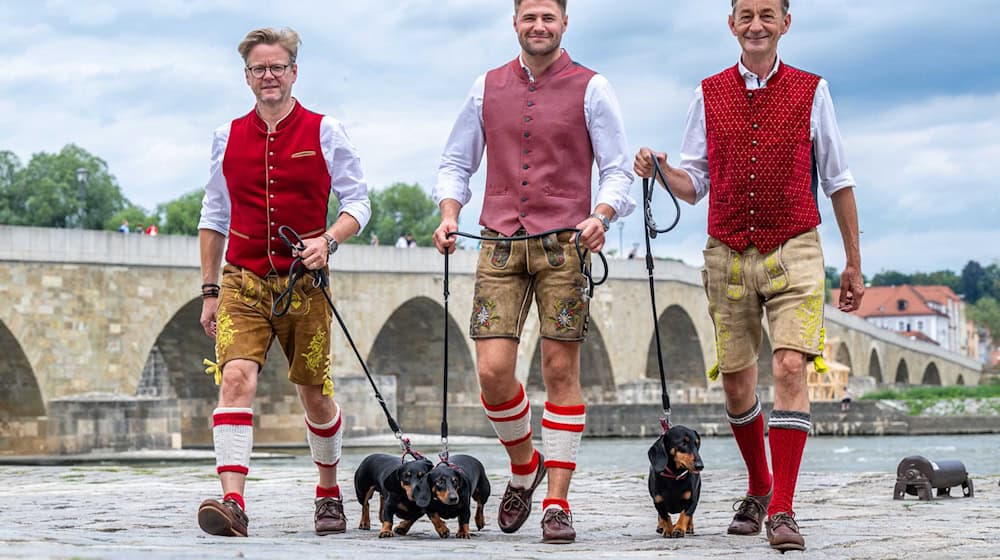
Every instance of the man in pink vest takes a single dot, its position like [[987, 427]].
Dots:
[[543, 121], [763, 134], [274, 166]]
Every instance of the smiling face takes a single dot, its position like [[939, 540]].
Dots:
[[758, 25], [270, 89], [540, 25]]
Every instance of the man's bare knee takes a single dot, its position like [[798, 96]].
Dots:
[[239, 383]]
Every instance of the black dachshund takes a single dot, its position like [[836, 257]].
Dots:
[[403, 487], [454, 486], [675, 479]]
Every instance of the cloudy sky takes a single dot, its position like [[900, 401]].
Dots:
[[142, 84]]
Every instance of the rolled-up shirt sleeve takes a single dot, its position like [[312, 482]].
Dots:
[[347, 180], [463, 152], [694, 146], [610, 145], [215, 205], [831, 157]]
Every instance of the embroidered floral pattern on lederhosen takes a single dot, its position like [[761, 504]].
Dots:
[[485, 314], [225, 333], [316, 359], [567, 314], [500, 254]]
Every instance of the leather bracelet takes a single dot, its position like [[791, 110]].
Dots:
[[216, 286], [210, 293]]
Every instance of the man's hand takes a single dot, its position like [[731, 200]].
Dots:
[[852, 289], [209, 307], [441, 239], [314, 256], [644, 162], [591, 234]]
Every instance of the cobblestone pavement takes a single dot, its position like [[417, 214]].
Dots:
[[97, 511]]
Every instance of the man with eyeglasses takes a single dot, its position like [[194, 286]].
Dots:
[[274, 166]]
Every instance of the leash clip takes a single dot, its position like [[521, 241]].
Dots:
[[665, 420], [443, 455]]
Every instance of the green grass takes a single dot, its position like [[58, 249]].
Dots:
[[919, 399]]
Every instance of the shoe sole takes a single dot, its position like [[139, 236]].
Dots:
[[558, 541], [215, 522], [737, 533], [334, 532], [788, 546]]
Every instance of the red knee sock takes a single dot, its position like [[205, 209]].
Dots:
[[748, 429], [555, 502], [237, 497], [787, 433], [333, 492]]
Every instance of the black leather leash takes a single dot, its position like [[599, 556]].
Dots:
[[321, 280], [651, 231], [585, 270]]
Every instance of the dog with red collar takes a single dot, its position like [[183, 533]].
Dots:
[[675, 479]]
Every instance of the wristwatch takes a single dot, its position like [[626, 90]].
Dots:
[[331, 244], [605, 222]]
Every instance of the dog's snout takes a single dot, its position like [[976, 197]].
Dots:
[[452, 498]]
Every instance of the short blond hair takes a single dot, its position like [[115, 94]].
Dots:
[[287, 37]]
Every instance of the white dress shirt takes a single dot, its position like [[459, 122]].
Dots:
[[347, 181], [831, 158], [464, 150]]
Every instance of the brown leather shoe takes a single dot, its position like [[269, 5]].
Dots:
[[330, 517], [224, 519], [750, 513], [557, 527], [783, 532], [515, 506]]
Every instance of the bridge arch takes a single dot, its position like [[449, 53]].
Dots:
[[931, 375], [960, 380], [682, 357], [844, 357], [902, 373], [19, 391], [596, 376], [410, 346], [875, 367]]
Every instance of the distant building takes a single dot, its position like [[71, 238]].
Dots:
[[927, 313]]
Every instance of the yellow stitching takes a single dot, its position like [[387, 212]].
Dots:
[[775, 274], [225, 334], [315, 357]]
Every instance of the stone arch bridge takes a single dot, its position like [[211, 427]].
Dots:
[[94, 321]]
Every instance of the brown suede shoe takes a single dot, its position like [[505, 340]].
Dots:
[[515, 506], [224, 519], [557, 527], [783, 532], [330, 517], [750, 513]]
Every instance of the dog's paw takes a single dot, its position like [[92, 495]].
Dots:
[[659, 530], [401, 530], [365, 526], [463, 534], [384, 534]]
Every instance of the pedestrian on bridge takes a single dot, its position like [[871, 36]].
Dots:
[[274, 166], [763, 134], [542, 120]]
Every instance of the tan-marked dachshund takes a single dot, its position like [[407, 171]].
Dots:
[[675, 479], [404, 490], [454, 486]]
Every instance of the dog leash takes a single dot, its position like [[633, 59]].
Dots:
[[651, 231], [321, 280], [585, 270]]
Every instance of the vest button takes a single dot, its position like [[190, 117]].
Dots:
[[272, 252], [523, 214], [272, 223], [270, 167], [271, 139], [527, 135], [524, 183], [751, 212], [750, 95], [527, 119], [755, 126], [531, 88], [753, 142], [752, 176], [270, 153], [272, 196], [527, 151], [753, 159], [525, 166], [272, 181], [751, 196], [524, 199], [272, 209], [751, 228], [531, 104]]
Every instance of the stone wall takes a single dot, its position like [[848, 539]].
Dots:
[[109, 423]]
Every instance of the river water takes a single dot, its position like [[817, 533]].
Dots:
[[979, 453]]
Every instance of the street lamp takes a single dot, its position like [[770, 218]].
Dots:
[[82, 174]]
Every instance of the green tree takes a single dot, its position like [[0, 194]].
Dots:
[[973, 281], [46, 192], [986, 313], [181, 215], [891, 278], [397, 210]]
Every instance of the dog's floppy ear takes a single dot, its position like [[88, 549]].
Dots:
[[658, 456], [421, 490]]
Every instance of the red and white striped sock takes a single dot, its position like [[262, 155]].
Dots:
[[237, 497], [562, 428], [522, 476], [511, 421], [333, 492], [555, 503], [325, 441], [232, 434]]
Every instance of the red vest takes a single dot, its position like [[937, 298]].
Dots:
[[760, 158], [274, 179], [538, 151]]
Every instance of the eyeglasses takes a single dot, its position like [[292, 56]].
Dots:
[[277, 70]]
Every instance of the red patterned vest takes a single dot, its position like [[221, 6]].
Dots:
[[760, 158], [538, 151], [274, 179]]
